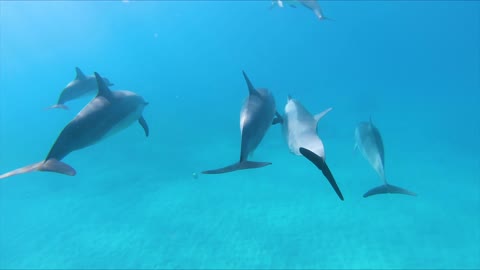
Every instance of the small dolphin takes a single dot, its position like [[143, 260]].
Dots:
[[256, 117], [370, 144], [301, 133], [310, 4], [82, 85], [108, 113]]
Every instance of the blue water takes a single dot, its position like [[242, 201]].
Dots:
[[414, 67]]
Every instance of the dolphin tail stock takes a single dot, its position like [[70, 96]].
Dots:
[[58, 106], [320, 163], [50, 165], [387, 188], [242, 165]]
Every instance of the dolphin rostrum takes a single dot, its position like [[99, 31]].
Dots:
[[256, 117], [300, 129], [82, 85], [108, 113], [370, 144]]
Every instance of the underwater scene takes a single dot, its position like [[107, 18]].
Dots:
[[239, 134]]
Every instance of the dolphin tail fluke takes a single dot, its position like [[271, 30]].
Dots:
[[320, 163], [58, 106], [51, 165], [387, 188], [244, 165]]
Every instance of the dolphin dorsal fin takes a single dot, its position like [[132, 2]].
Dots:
[[103, 89], [80, 75], [322, 114], [251, 89]]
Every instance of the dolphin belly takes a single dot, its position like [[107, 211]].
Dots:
[[124, 123]]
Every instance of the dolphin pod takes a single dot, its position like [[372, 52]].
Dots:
[[108, 113], [112, 111]]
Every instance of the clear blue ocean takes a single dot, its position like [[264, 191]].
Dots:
[[412, 66]]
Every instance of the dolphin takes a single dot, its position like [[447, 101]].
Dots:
[[314, 6], [256, 116], [370, 144], [310, 4], [300, 129], [82, 85], [108, 113]]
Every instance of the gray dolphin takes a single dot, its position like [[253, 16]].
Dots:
[[370, 144], [108, 113], [310, 4], [256, 117], [82, 85], [300, 129]]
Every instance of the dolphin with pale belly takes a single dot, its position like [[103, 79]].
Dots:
[[108, 113], [370, 144], [300, 129], [81, 86]]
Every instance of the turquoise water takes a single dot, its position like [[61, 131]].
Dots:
[[414, 67]]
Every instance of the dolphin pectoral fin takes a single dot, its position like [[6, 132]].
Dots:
[[144, 125], [51, 165], [278, 119], [387, 188], [244, 165], [320, 163], [321, 115], [58, 106]]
